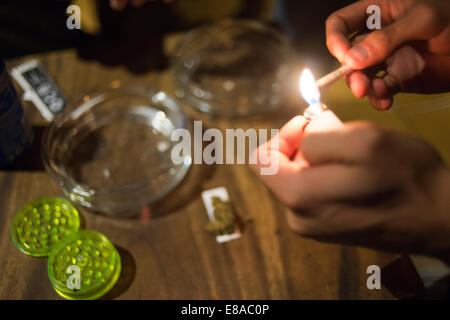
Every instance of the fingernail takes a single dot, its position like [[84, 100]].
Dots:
[[385, 104], [358, 53]]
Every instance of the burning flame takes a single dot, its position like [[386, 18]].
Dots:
[[308, 87]]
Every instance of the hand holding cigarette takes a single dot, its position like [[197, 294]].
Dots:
[[413, 45], [356, 183]]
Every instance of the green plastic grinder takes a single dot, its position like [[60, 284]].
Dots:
[[42, 223], [84, 265]]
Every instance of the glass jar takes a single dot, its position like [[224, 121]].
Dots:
[[233, 68]]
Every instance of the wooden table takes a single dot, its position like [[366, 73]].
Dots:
[[171, 256]]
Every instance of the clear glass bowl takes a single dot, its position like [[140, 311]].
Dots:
[[233, 68], [111, 152]]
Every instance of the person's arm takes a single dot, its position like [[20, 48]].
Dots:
[[413, 44], [362, 185]]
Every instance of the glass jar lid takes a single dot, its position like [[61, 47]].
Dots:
[[42, 223]]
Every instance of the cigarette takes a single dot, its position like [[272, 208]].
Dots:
[[334, 76]]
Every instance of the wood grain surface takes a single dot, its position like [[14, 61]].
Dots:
[[171, 256]]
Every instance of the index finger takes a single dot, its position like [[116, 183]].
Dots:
[[280, 158], [289, 137], [344, 22], [280, 150]]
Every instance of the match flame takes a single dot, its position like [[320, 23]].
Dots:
[[308, 87]]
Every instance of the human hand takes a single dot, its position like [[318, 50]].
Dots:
[[362, 185], [414, 44]]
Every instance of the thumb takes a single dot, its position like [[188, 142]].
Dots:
[[417, 24]]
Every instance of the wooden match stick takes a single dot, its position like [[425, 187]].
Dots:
[[334, 76]]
